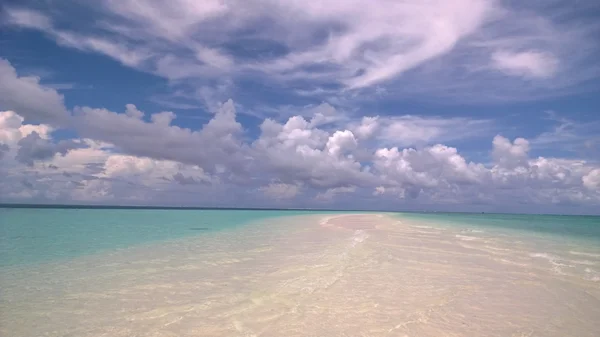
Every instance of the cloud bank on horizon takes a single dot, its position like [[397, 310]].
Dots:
[[452, 105]]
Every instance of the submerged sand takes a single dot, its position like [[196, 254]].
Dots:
[[341, 275]]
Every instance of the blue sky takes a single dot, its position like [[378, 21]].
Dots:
[[455, 105]]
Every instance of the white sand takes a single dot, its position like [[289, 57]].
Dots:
[[352, 275]]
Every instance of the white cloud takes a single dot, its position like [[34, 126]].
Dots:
[[133, 112], [214, 58], [331, 193], [532, 64], [368, 126], [298, 151], [171, 21], [280, 191], [510, 154], [324, 114], [127, 55], [288, 159], [89, 172], [439, 47], [416, 130], [171, 104], [163, 118], [216, 143], [79, 160], [25, 142], [151, 172], [12, 128], [119, 50], [341, 142], [122, 156], [375, 41], [437, 166], [28, 18], [592, 180], [379, 190], [25, 95]]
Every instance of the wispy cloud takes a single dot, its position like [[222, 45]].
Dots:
[[172, 104], [579, 138], [526, 64], [67, 86], [26, 18], [441, 48], [415, 130], [410, 130]]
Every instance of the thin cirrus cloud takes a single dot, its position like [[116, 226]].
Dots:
[[414, 130], [526, 64], [582, 138], [321, 147], [410, 47]]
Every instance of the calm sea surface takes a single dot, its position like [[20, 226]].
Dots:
[[165, 272], [32, 235]]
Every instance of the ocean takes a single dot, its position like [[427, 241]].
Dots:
[[168, 272], [32, 235]]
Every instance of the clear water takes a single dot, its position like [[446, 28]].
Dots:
[[566, 228], [150, 272], [33, 235]]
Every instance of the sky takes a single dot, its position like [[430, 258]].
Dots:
[[447, 105]]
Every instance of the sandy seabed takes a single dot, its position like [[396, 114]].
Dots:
[[339, 275]]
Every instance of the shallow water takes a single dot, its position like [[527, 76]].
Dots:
[[315, 275], [33, 235]]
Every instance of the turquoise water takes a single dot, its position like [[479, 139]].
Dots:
[[249, 272], [33, 235], [558, 227]]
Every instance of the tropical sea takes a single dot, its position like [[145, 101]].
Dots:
[[171, 272]]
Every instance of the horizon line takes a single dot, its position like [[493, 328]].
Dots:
[[149, 207]]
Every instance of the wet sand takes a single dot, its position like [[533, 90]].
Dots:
[[340, 275]]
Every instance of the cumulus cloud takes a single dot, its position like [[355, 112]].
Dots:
[[510, 154], [318, 157], [152, 172], [92, 173], [432, 167], [184, 180], [3, 149], [25, 95], [33, 147], [298, 151], [217, 142], [368, 126], [29, 141], [592, 180], [341, 142], [297, 162]]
